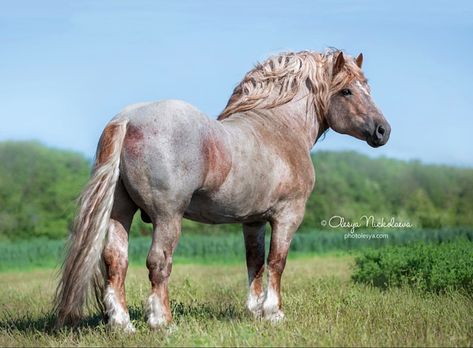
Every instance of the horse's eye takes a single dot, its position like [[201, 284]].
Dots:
[[346, 92]]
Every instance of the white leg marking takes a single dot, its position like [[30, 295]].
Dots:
[[254, 304], [156, 317], [118, 316], [271, 307]]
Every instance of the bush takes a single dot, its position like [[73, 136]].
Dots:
[[428, 267]]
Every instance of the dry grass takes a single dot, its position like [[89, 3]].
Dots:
[[322, 305]]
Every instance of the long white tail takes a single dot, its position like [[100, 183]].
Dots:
[[86, 241]]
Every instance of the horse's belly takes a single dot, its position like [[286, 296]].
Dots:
[[213, 211]]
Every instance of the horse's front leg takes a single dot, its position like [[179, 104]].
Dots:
[[254, 244], [283, 225], [159, 262]]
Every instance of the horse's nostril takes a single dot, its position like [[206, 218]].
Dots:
[[381, 130]]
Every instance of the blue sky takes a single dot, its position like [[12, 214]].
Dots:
[[67, 67]]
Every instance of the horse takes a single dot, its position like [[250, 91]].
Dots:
[[251, 165]]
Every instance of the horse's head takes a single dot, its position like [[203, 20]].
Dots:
[[351, 109]]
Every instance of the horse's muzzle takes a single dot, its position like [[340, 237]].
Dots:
[[380, 135]]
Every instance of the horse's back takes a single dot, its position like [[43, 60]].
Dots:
[[160, 111]]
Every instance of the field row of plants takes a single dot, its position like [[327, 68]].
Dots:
[[225, 247]]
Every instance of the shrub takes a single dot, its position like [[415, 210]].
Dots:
[[428, 267]]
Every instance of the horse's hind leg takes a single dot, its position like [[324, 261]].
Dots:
[[167, 229], [254, 244], [115, 256]]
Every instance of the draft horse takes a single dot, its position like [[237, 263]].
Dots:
[[251, 166]]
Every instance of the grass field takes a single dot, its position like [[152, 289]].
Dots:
[[322, 305]]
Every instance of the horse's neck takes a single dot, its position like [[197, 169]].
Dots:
[[295, 121]]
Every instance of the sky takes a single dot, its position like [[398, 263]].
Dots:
[[67, 67]]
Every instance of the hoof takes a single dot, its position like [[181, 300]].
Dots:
[[166, 329], [171, 329], [118, 317], [157, 324], [274, 317], [257, 313], [129, 329], [123, 327]]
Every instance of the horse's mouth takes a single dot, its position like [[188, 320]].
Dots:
[[373, 143], [376, 142]]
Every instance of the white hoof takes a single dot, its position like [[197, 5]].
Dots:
[[271, 307], [156, 323], [124, 327], [129, 328], [274, 317]]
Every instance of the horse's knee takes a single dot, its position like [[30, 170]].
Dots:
[[156, 260], [277, 264], [159, 265]]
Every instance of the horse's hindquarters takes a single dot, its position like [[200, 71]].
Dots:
[[163, 161]]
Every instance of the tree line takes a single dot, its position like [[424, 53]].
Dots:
[[39, 187]]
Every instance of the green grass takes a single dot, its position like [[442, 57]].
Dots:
[[322, 305], [228, 248]]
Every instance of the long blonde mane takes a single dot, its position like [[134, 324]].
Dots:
[[285, 74]]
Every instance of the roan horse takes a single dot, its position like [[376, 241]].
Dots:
[[251, 166]]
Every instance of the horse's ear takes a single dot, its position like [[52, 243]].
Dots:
[[339, 62], [359, 60]]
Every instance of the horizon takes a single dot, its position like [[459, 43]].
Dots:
[[67, 68]]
